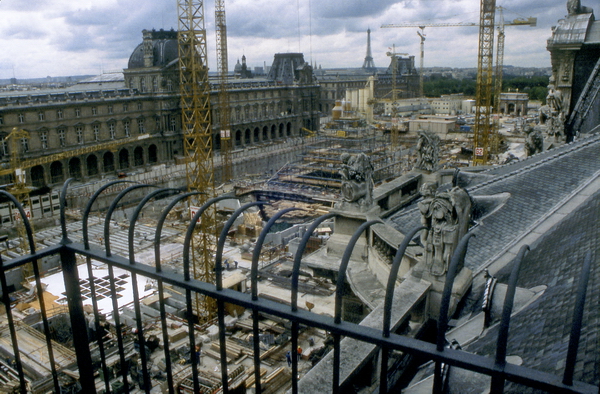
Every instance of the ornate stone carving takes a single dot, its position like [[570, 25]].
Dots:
[[357, 179], [447, 216], [534, 142], [428, 151], [574, 7]]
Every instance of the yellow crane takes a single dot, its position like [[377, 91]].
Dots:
[[224, 106], [197, 139], [484, 129], [394, 64]]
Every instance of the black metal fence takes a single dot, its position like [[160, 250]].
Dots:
[[497, 368]]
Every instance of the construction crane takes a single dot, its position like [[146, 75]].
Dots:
[[483, 94], [484, 133], [394, 64], [422, 50], [197, 139], [224, 106]]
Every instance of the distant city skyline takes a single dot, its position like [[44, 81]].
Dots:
[[61, 37]]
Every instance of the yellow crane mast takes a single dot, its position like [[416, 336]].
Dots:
[[483, 94], [486, 134], [224, 106], [394, 64], [197, 138]]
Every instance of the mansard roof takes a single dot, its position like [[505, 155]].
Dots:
[[539, 187]]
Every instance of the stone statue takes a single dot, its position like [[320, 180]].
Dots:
[[357, 179], [428, 151], [552, 114], [574, 7], [554, 97], [534, 142], [446, 216]]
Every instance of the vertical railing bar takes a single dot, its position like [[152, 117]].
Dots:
[[295, 276], [219, 285], [140, 333], [163, 313], [86, 245], [11, 327], [254, 289], [79, 324], [111, 274], [387, 306], [457, 257], [77, 318], [192, 336], [39, 289], [577, 319], [136, 296], [63, 216], [88, 209], [99, 338], [111, 209], [118, 332], [338, 298], [186, 273], [497, 380]]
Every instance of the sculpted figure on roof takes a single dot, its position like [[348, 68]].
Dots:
[[428, 151], [447, 216], [357, 179], [574, 7], [534, 142]]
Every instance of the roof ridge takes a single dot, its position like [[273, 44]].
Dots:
[[573, 146]]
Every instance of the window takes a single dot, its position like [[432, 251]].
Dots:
[[61, 137], [141, 126], [44, 139], [25, 144], [110, 109], [143, 85], [96, 129], [4, 146], [172, 123], [169, 85], [125, 107], [77, 112], [127, 129], [154, 84], [1, 120], [40, 115], [140, 106], [111, 130], [94, 111], [79, 132], [59, 114]]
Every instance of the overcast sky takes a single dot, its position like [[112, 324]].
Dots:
[[41, 38]]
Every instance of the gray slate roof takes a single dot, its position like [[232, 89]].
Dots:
[[537, 186], [539, 333]]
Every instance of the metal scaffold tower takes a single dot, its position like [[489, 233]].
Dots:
[[224, 107], [484, 93], [197, 138]]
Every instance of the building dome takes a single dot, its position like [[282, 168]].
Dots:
[[164, 49]]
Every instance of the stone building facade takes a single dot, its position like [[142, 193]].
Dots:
[[134, 117]]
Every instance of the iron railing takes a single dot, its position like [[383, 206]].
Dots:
[[443, 356]]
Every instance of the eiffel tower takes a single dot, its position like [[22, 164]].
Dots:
[[369, 64]]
